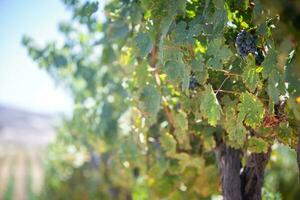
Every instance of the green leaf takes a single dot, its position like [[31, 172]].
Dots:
[[183, 160], [276, 85], [285, 133], [251, 110], [181, 121], [257, 145], [180, 33], [219, 3], [150, 98], [181, 130], [159, 168], [270, 63], [118, 30], [215, 63], [250, 75], [166, 23], [129, 151], [144, 44], [172, 54], [201, 76], [181, 5], [219, 20], [271, 72], [140, 192], [197, 63], [108, 55], [175, 71], [87, 9], [60, 60], [168, 143], [141, 73], [234, 127], [294, 105], [210, 106], [219, 53]]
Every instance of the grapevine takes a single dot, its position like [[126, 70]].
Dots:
[[132, 77]]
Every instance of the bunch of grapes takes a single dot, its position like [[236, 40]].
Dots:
[[193, 82], [246, 43]]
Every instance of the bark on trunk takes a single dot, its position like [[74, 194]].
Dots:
[[252, 177], [236, 185], [298, 155], [230, 166]]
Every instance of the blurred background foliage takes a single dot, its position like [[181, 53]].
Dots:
[[97, 153]]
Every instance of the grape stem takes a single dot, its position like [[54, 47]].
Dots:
[[222, 84]]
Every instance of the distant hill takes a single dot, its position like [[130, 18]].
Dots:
[[25, 128]]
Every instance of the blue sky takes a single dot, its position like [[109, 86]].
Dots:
[[22, 83]]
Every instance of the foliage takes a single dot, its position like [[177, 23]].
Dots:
[[152, 134]]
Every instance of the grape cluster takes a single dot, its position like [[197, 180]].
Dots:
[[193, 82], [245, 43]]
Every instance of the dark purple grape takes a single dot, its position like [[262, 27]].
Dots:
[[245, 43], [193, 83]]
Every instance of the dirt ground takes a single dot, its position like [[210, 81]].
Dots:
[[23, 165], [24, 137]]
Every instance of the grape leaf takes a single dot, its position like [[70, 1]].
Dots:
[[257, 145], [207, 178], [168, 143], [129, 151], [219, 53], [276, 86], [197, 64], [215, 63], [87, 9], [270, 63], [285, 133], [250, 75], [219, 3], [219, 20], [166, 23], [150, 98], [158, 169], [210, 106], [117, 31], [181, 131], [185, 160], [182, 35], [144, 44], [172, 54], [175, 71], [181, 121], [234, 127], [171, 10], [140, 191], [141, 73], [251, 110]]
